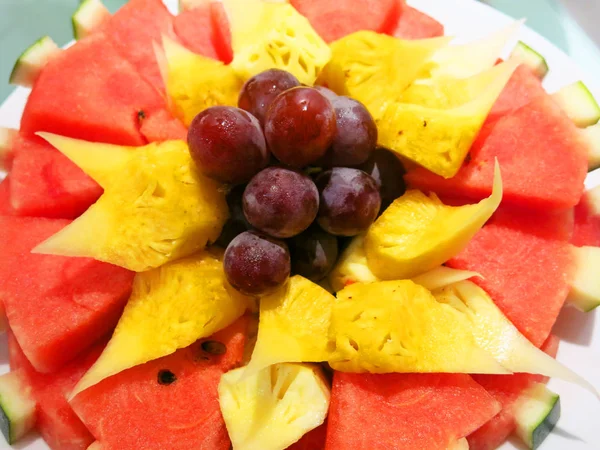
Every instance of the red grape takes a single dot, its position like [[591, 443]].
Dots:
[[356, 135], [300, 126], [281, 202], [328, 93], [227, 144], [259, 91], [256, 264], [349, 201], [314, 253], [388, 172]]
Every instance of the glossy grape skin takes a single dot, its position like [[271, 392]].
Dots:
[[314, 253], [227, 144], [237, 222], [281, 202], [388, 172], [256, 264], [328, 93], [356, 135], [259, 91], [349, 201], [300, 126]]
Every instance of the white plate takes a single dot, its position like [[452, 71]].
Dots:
[[579, 426]]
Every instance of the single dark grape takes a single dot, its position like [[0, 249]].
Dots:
[[281, 202], [388, 172], [256, 264], [227, 144], [328, 93], [300, 126], [356, 135], [349, 201], [259, 91], [237, 222], [314, 253]]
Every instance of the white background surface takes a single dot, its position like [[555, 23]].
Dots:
[[579, 426]]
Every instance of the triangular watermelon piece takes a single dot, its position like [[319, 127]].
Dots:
[[527, 276], [506, 389], [196, 30], [91, 92], [56, 306], [45, 183], [336, 19], [414, 24], [587, 220], [162, 126], [541, 155], [405, 411], [169, 403], [133, 30], [6, 208], [56, 421]]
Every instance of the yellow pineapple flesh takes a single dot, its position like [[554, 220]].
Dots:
[[418, 232], [274, 35], [170, 308], [398, 326], [275, 407], [156, 206], [364, 66], [195, 82], [293, 325]]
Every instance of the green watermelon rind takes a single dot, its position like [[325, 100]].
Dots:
[[585, 289], [579, 104], [524, 54], [88, 17], [32, 61], [592, 137], [17, 407], [536, 414]]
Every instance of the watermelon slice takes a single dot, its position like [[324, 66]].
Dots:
[[56, 306], [56, 422], [334, 20], [587, 220], [134, 29], [45, 183], [162, 126], [196, 29], [103, 103], [524, 259], [543, 160], [6, 208], [414, 24], [405, 411], [506, 389], [169, 403]]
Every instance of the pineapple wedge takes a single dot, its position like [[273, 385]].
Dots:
[[499, 337], [450, 92], [364, 66], [170, 308], [275, 407], [195, 82], [274, 35], [293, 325], [352, 267], [398, 326], [439, 139], [156, 207], [417, 233]]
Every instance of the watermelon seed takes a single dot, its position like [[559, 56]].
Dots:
[[166, 377], [214, 347], [141, 115]]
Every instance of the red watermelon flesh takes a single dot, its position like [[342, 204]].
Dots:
[[223, 33], [313, 440], [162, 126], [133, 31], [195, 28], [91, 92], [405, 411], [6, 208], [45, 183], [414, 24], [554, 224], [131, 410], [587, 225], [526, 274], [506, 389], [541, 155], [336, 19], [56, 421], [56, 306]]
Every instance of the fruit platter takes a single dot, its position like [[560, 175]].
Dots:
[[271, 224]]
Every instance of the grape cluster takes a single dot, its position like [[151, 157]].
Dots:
[[286, 212]]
